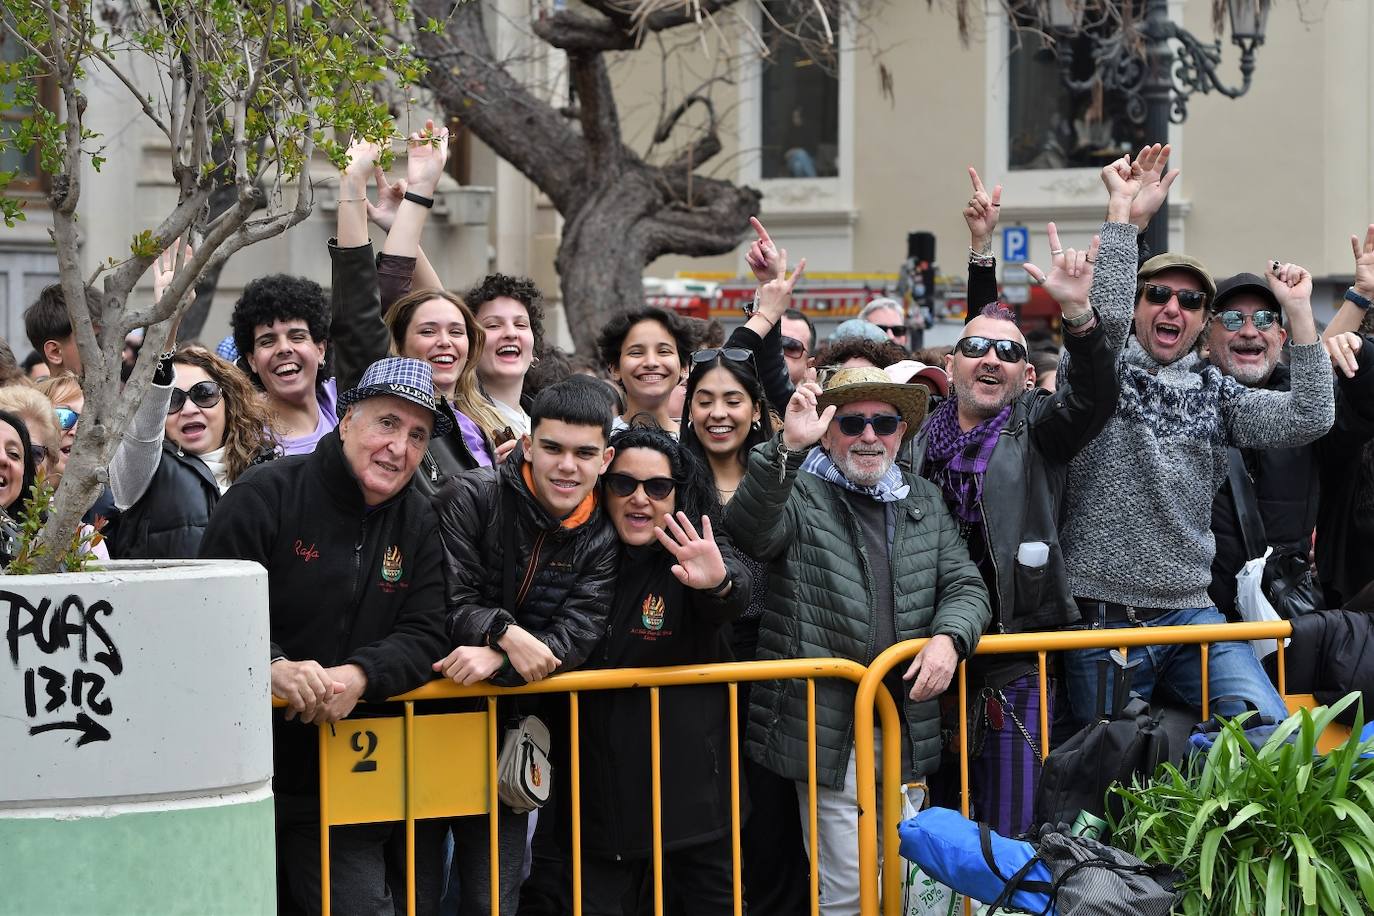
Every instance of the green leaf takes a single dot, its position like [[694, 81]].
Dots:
[[1344, 807], [1360, 864], [1208, 858], [1307, 875], [1276, 887], [1243, 815]]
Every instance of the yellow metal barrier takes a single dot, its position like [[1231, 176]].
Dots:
[[402, 768], [1041, 644]]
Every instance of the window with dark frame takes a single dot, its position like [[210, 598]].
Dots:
[[31, 177], [799, 92]]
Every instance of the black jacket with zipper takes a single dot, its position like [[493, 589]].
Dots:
[[565, 575], [169, 519], [358, 338], [345, 584], [655, 621]]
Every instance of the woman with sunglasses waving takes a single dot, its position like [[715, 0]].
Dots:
[[646, 352], [679, 586], [216, 427]]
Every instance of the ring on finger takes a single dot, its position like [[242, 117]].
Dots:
[[1056, 251]]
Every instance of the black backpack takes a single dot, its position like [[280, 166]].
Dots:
[[1127, 741]]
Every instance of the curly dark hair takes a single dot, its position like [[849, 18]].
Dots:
[[748, 378], [279, 297], [614, 332], [696, 490], [521, 289], [881, 355]]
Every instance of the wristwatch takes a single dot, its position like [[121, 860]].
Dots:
[[1077, 321]]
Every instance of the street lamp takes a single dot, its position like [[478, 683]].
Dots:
[[1141, 65]]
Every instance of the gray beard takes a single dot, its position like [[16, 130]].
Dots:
[[858, 478]]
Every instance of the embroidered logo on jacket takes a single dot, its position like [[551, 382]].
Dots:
[[306, 553], [652, 612], [391, 564]]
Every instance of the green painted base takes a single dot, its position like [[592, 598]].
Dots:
[[215, 860]]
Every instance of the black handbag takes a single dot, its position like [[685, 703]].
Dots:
[[1288, 581]]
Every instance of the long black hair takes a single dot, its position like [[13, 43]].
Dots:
[[748, 378], [30, 470], [695, 493]]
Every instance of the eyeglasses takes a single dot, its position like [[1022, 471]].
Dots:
[[1234, 319], [1190, 299], [896, 330], [793, 347], [884, 424], [67, 418], [204, 394], [655, 487], [735, 354], [39, 453], [1008, 351]]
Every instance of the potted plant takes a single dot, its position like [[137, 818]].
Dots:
[[133, 723], [1278, 829]]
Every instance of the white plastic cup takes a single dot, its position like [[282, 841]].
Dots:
[[1033, 554]]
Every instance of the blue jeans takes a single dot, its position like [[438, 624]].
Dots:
[[1176, 670]]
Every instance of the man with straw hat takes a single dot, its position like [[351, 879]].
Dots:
[[864, 555]]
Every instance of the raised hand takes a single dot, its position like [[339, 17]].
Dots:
[[776, 294], [801, 425], [762, 256], [363, 156], [1071, 274], [389, 197], [981, 212], [426, 156], [1155, 181], [699, 563], [1290, 284], [1364, 263], [1123, 179], [165, 268]]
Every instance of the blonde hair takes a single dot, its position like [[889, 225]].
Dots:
[[60, 389], [36, 411], [467, 393]]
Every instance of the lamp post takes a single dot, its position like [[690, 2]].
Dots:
[[1141, 64]]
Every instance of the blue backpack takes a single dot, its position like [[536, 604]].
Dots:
[[976, 862]]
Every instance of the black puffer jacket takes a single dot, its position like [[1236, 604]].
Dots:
[[565, 603], [170, 517], [360, 338], [655, 621]]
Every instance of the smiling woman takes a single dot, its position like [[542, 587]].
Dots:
[[646, 351]]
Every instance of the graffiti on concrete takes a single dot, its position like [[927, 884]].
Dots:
[[67, 658]]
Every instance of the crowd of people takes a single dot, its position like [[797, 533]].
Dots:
[[434, 491]]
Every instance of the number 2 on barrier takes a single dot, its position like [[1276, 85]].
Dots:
[[365, 764]]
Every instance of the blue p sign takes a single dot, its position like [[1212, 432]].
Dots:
[[1015, 244]]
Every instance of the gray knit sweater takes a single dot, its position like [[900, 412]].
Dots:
[[1138, 504]]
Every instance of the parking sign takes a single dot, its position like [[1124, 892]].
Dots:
[[1015, 244]]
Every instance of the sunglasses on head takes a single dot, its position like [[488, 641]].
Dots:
[[884, 424], [1159, 294], [734, 354], [896, 330], [793, 347], [1234, 319], [204, 395], [39, 453], [1008, 351], [66, 417], [624, 485]]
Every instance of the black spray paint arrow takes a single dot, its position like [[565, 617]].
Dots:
[[90, 729]]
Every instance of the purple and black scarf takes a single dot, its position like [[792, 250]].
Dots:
[[957, 460]]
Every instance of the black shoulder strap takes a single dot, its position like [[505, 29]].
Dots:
[[509, 575], [1247, 509], [1017, 881]]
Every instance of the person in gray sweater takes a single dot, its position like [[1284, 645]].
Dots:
[[1136, 534]]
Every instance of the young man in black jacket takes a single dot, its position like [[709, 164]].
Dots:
[[531, 560], [356, 598]]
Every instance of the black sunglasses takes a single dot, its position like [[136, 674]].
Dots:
[[204, 394], [1190, 299], [1234, 319], [896, 330], [734, 354], [793, 347], [39, 453], [1008, 351], [654, 488], [884, 424]]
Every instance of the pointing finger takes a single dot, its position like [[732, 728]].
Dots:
[[762, 232], [1054, 241], [977, 182], [796, 275]]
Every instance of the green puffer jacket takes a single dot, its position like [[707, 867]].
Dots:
[[820, 606]]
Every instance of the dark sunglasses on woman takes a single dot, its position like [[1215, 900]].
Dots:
[[624, 485], [1190, 299], [884, 424], [1008, 351], [66, 417], [1234, 319], [204, 395], [734, 354]]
